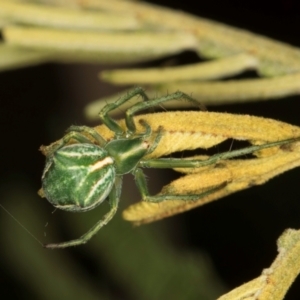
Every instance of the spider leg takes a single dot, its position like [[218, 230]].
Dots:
[[142, 186], [164, 163], [79, 137], [114, 198], [75, 133], [154, 102], [147, 133], [147, 103], [157, 138], [91, 131], [109, 122]]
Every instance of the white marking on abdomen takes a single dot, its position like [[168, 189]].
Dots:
[[100, 164]]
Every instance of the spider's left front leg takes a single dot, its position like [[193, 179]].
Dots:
[[78, 134], [85, 130], [114, 198]]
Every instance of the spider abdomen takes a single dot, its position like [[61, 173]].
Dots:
[[78, 177]]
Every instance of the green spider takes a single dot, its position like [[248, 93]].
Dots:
[[83, 169]]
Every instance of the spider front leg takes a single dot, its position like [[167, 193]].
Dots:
[[147, 103], [78, 134], [141, 183], [155, 102], [109, 122], [114, 198]]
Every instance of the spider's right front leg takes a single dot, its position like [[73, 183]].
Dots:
[[109, 122], [130, 112]]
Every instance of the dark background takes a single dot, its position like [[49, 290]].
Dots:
[[238, 233]]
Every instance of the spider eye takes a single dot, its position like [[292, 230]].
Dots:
[[78, 177]]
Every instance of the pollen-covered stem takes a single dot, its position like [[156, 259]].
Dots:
[[162, 163], [114, 198]]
